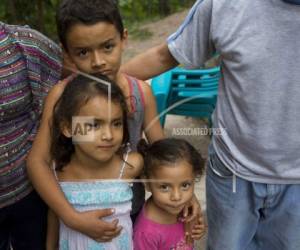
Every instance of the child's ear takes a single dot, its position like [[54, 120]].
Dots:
[[66, 130], [124, 39]]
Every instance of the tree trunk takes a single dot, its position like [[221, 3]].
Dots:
[[40, 15], [164, 7], [12, 10]]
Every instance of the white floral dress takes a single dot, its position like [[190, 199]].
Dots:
[[98, 194]]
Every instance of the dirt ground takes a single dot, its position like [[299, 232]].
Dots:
[[160, 30]]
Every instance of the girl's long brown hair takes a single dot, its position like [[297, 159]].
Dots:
[[76, 94]]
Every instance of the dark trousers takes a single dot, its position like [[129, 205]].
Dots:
[[138, 200], [23, 225]]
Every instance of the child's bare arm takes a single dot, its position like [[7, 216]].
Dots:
[[192, 210], [52, 231], [38, 161], [151, 125], [194, 223]]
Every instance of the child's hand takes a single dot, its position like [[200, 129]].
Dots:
[[194, 230], [57, 90], [192, 210], [68, 66], [199, 229], [90, 223]]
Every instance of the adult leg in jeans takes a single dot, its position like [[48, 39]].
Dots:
[[279, 227], [256, 216], [29, 223], [233, 212]]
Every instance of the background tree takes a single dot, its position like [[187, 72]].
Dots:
[[40, 14], [164, 7]]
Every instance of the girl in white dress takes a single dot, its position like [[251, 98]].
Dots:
[[92, 162]]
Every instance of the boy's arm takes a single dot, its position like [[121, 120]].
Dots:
[[42, 177], [151, 124], [52, 231], [150, 63], [38, 161]]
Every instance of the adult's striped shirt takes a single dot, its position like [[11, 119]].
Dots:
[[30, 64]]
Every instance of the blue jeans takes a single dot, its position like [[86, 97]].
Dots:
[[255, 216]]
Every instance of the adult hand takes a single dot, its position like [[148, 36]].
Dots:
[[91, 224]]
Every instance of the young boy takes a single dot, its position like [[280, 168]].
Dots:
[[93, 39]]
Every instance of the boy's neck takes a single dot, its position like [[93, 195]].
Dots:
[[158, 215], [122, 83]]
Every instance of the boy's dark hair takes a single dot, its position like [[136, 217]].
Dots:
[[169, 151], [76, 94], [87, 12]]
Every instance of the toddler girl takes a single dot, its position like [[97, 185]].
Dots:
[[171, 166]]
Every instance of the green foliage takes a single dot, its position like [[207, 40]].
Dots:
[[40, 14], [138, 10], [139, 34]]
